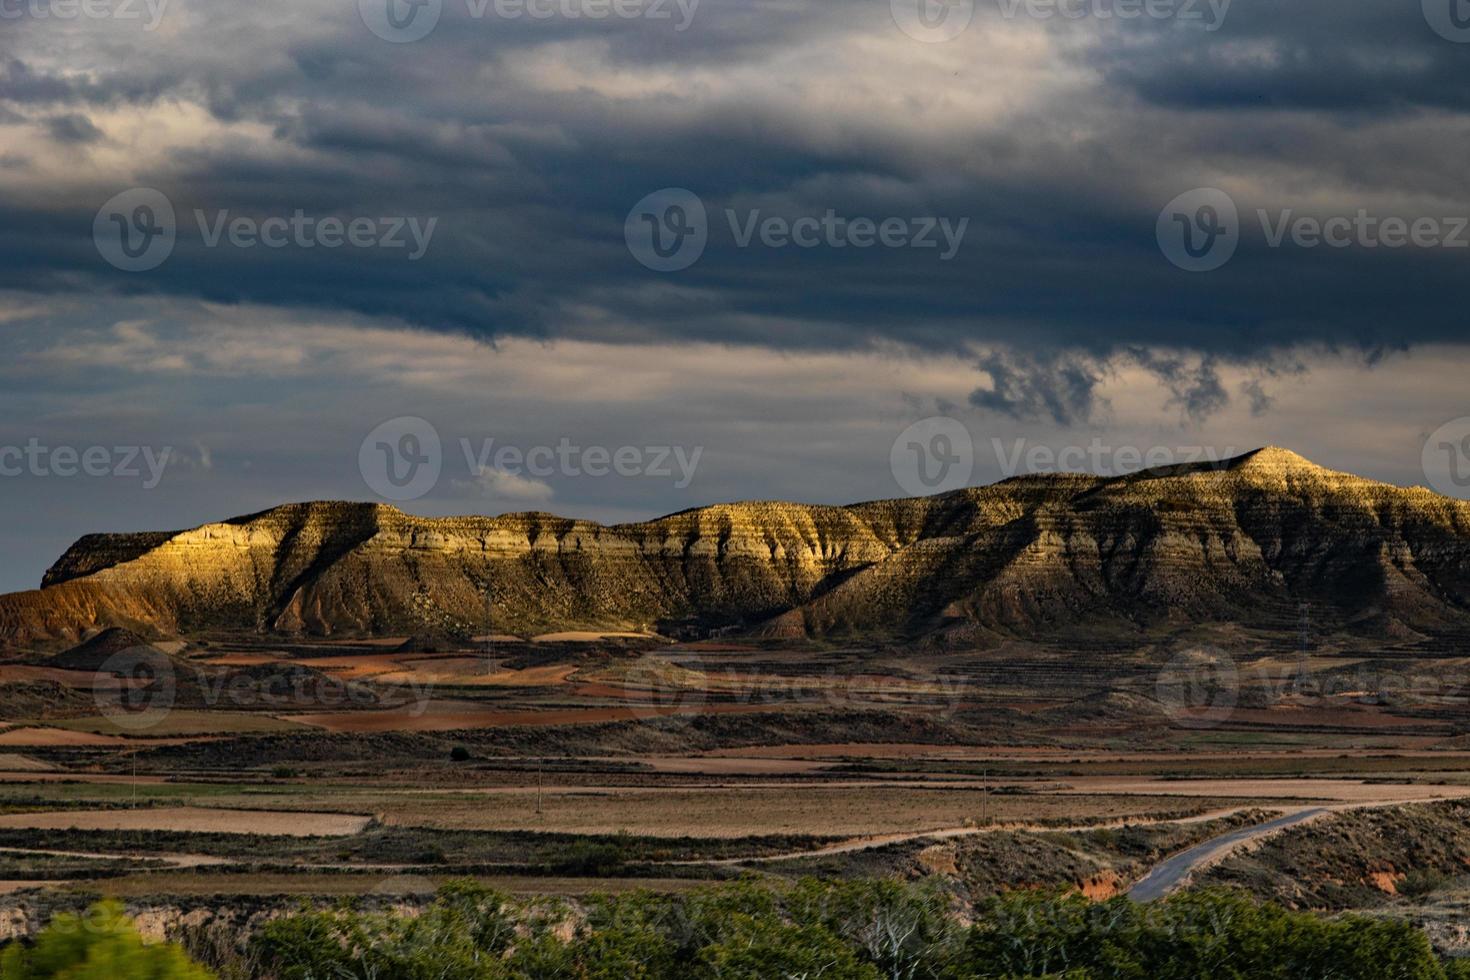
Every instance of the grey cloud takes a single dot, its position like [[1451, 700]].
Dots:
[[1056, 387], [531, 155], [74, 128]]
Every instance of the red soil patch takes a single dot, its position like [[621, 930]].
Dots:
[[194, 820], [471, 671], [1341, 717], [15, 674], [445, 716], [244, 660], [58, 736]]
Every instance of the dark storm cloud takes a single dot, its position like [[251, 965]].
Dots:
[[1195, 389], [73, 128], [1059, 389], [1313, 55], [530, 140]]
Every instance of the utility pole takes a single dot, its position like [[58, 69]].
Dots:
[[489, 629], [984, 795], [1304, 636], [538, 787]]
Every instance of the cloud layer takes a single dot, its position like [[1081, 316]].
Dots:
[[528, 140]]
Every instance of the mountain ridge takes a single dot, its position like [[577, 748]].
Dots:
[[1202, 542]]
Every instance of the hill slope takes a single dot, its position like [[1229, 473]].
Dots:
[[1239, 542]]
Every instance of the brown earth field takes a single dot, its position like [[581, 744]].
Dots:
[[578, 764]]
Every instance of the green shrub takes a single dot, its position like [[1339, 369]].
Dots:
[[101, 945], [856, 930], [1418, 884], [1223, 936], [585, 859]]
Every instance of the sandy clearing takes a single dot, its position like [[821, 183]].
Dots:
[[714, 646], [14, 762], [723, 767], [1335, 790], [742, 811], [1419, 749], [471, 672], [172, 860], [854, 750], [11, 887], [354, 667], [244, 660], [101, 778], [187, 724], [20, 674], [451, 716], [57, 736], [1339, 716], [330, 884], [873, 842], [198, 820]]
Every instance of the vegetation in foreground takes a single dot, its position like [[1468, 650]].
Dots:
[[101, 945], [861, 930], [857, 930]]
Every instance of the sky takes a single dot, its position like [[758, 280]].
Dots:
[[617, 258]]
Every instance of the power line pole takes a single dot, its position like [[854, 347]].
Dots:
[[489, 629], [1304, 638]]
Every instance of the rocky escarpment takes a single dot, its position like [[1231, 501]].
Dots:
[[1237, 541]]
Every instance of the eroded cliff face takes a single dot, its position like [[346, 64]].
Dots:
[[1192, 544]]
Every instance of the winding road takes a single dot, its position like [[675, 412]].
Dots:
[[1171, 872]]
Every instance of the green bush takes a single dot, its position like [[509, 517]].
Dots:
[[1458, 969], [100, 945], [857, 930], [585, 859], [1223, 936], [1419, 884]]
